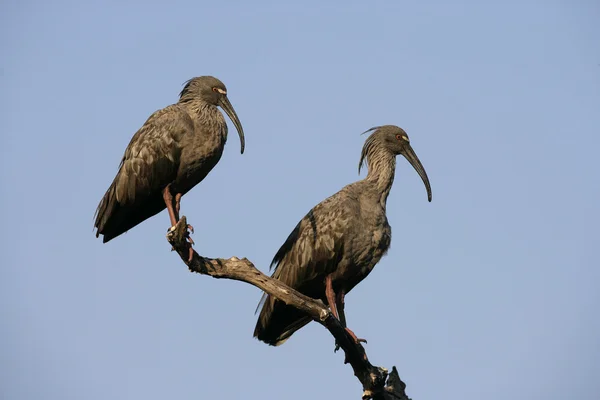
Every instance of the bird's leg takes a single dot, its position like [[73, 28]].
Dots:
[[177, 208], [168, 198], [330, 294], [333, 305], [173, 205], [177, 205], [339, 304], [339, 299]]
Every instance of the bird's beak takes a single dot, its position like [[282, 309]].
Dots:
[[226, 105], [412, 158]]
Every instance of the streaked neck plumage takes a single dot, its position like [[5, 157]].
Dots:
[[382, 167], [207, 115]]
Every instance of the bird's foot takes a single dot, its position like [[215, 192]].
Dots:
[[188, 232], [182, 231], [357, 340]]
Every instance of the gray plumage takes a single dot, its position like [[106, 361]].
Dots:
[[341, 239], [171, 153]]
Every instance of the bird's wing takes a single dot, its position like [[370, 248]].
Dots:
[[311, 252], [149, 164], [313, 248], [152, 157]]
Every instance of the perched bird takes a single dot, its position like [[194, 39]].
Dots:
[[339, 241], [170, 154]]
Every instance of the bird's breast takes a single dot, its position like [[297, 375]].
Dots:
[[197, 160], [381, 238], [366, 251]]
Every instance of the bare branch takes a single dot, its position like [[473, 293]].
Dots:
[[372, 378]]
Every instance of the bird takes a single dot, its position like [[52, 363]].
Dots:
[[339, 241], [172, 152]]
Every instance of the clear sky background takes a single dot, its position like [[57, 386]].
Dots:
[[488, 292]]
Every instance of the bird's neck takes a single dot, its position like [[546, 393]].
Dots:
[[198, 107], [382, 167], [207, 115]]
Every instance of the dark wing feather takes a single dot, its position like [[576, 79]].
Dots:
[[149, 164], [310, 253]]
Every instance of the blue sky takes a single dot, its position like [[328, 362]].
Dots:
[[490, 289]]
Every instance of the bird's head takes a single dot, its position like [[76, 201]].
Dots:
[[212, 91], [395, 140]]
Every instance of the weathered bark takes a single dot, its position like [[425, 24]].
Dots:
[[372, 378]]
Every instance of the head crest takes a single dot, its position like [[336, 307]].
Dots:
[[368, 144], [370, 130], [186, 86]]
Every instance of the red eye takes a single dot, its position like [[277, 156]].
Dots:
[[215, 90], [399, 137]]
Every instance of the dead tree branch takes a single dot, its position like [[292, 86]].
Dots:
[[372, 378]]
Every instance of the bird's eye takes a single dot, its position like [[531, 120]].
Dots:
[[216, 90], [402, 137], [219, 90]]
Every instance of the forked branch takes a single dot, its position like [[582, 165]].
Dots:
[[377, 383]]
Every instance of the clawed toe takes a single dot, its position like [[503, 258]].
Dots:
[[180, 231], [357, 340], [188, 232]]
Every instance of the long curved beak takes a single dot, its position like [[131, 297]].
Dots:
[[226, 105], [412, 158]]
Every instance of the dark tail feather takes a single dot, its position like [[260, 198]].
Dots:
[[107, 208], [278, 321], [114, 219]]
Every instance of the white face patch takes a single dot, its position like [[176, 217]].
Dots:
[[405, 138], [221, 90]]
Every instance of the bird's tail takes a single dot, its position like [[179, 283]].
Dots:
[[106, 209], [278, 321]]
